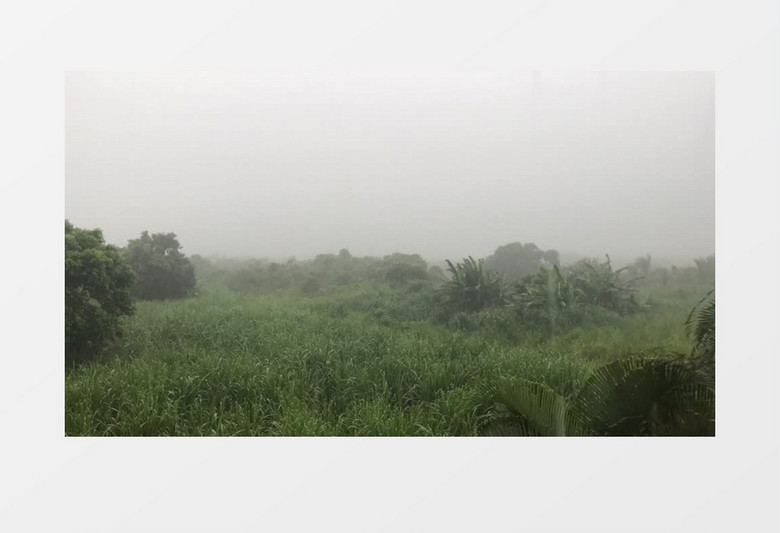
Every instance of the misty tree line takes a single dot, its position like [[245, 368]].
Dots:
[[519, 286]]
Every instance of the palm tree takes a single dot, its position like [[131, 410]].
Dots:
[[700, 326], [640, 396], [643, 395]]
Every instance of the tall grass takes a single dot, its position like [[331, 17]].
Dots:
[[354, 361]]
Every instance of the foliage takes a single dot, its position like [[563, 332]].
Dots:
[[524, 408], [362, 359], [517, 260], [600, 285], [638, 396], [162, 271], [700, 325], [472, 287], [645, 396], [402, 273], [97, 292], [641, 266], [328, 271], [705, 268], [560, 298]]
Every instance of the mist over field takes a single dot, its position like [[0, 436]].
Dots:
[[408, 254], [441, 164]]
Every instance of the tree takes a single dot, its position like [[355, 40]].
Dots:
[[642, 265], [517, 260], [162, 271], [705, 266], [97, 292]]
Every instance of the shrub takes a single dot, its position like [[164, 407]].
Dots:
[[97, 292], [472, 287], [402, 273], [586, 283]]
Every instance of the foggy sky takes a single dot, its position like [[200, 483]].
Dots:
[[442, 164]]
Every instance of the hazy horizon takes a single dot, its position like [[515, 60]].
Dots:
[[244, 164]]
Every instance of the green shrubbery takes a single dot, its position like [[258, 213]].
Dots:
[[97, 292], [472, 288], [323, 272], [471, 296], [546, 302], [642, 395]]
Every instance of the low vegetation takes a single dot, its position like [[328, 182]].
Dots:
[[343, 345]]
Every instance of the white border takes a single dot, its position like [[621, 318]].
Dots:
[[729, 483]]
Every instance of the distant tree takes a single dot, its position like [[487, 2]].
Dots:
[[663, 277], [705, 267], [97, 292], [642, 265], [414, 260], [436, 273], [517, 260], [402, 273], [162, 271]]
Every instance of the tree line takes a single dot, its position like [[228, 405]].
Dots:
[[519, 286]]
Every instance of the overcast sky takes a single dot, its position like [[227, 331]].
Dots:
[[442, 164]]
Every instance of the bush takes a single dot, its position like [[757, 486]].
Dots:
[[472, 287], [97, 292], [162, 271]]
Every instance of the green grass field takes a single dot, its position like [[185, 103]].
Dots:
[[340, 363]]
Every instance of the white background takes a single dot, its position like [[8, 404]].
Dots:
[[726, 483]]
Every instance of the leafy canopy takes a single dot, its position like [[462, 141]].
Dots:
[[516, 260], [97, 292], [162, 271]]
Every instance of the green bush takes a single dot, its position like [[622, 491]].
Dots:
[[97, 292], [472, 287]]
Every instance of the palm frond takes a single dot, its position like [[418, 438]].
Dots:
[[700, 325], [641, 396], [525, 408]]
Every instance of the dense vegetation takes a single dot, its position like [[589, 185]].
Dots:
[[162, 272], [97, 292], [343, 345]]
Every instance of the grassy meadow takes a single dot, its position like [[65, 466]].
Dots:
[[359, 359]]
